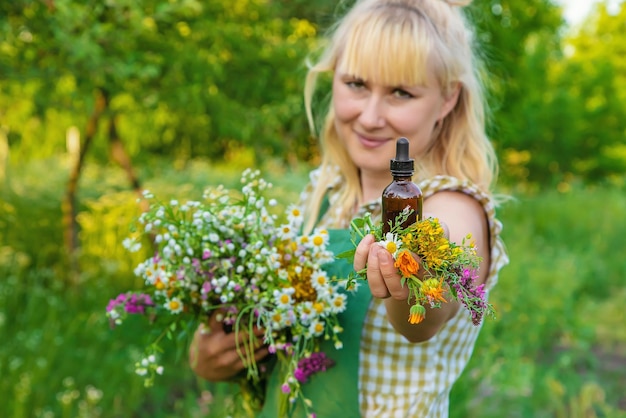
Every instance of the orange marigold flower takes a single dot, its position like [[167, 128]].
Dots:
[[407, 264], [433, 290], [417, 314]]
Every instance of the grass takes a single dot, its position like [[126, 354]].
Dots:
[[556, 348]]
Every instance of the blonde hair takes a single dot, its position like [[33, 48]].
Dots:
[[396, 42]]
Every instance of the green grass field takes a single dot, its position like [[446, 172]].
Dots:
[[556, 349]]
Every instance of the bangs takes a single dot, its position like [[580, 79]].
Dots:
[[393, 49]]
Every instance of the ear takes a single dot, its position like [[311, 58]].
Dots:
[[450, 100]]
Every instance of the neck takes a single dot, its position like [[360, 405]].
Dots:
[[373, 184]]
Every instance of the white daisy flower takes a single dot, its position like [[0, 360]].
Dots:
[[306, 313], [277, 320], [174, 305], [154, 271], [283, 297], [286, 232], [319, 239], [294, 214], [319, 280], [131, 245], [391, 243], [338, 303], [316, 328]]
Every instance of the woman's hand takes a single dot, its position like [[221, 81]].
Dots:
[[384, 281], [382, 276], [213, 353]]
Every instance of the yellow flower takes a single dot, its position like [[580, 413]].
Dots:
[[407, 264], [159, 284], [433, 290]]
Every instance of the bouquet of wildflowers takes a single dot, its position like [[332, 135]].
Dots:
[[228, 252], [446, 268]]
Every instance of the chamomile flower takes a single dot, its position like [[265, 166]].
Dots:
[[306, 313], [316, 328], [391, 243], [131, 245], [286, 232], [228, 249], [338, 303], [283, 297], [152, 270], [320, 281], [294, 215], [319, 239], [174, 305]]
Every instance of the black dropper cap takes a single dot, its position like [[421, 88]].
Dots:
[[402, 165]]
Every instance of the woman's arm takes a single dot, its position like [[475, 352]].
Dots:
[[461, 215]]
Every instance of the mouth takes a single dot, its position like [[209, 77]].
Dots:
[[371, 142]]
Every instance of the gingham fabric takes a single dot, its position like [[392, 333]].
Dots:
[[402, 379]]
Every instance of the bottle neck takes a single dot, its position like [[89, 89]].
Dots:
[[402, 177]]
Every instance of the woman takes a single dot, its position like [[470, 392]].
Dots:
[[400, 68]]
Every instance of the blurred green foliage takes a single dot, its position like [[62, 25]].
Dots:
[[221, 82], [189, 78], [556, 348]]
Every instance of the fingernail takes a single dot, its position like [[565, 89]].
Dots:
[[383, 259]]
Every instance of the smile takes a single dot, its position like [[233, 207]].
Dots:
[[371, 143]]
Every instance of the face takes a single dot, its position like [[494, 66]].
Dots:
[[370, 117]]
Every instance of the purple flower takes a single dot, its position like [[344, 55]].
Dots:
[[137, 303], [114, 303], [316, 362], [285, 388], [132, 303], [300, 375], [472, 297], [206, 289]]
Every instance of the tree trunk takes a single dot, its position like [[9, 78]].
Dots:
[[121, 157], [69, 202]]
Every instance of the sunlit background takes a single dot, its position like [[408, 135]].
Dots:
[[101, 99]]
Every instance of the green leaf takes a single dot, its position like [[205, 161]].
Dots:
[[348, 255], [358, 222]]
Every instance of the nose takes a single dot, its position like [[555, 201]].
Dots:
[[372, 114]]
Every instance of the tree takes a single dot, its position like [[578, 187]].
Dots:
[[519, 40], [178, 77]]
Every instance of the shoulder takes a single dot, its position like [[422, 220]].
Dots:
[[462, 194], [462, 215], [456, 208], [454, 201]]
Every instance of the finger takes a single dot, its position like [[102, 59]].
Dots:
[[215, 321], [390, 276], [261, 353], [374, 277], [362, 251], [238, 360]]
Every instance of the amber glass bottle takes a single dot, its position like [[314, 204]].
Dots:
[[401, 192]]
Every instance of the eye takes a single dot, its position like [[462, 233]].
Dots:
[[355, 84], [402, 94]]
